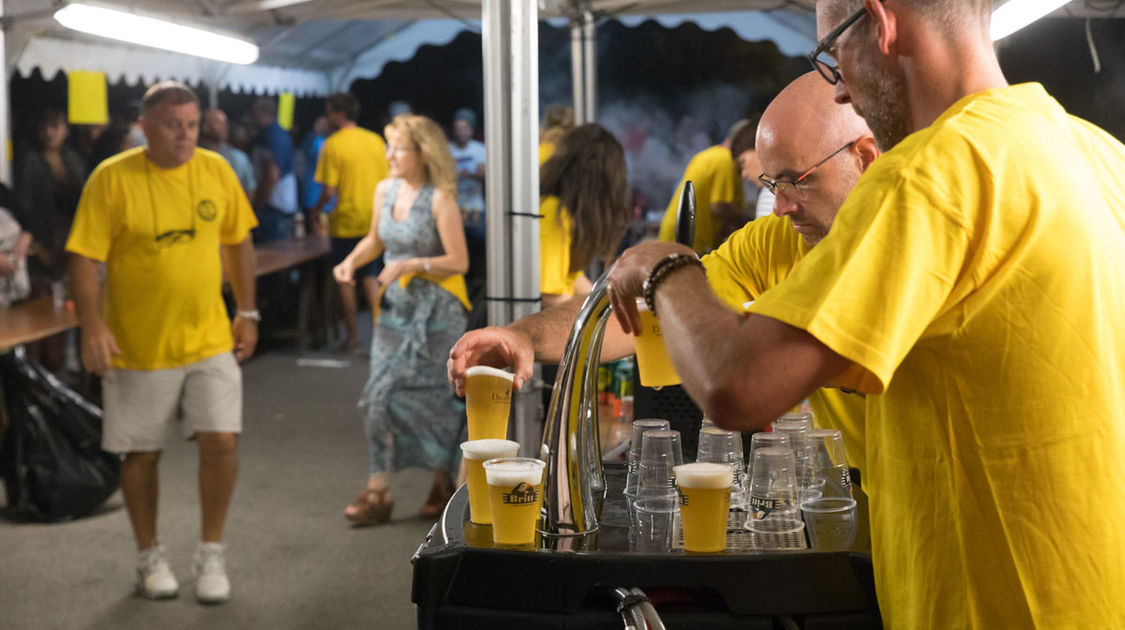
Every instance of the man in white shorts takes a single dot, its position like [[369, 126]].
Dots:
[[165, 219]]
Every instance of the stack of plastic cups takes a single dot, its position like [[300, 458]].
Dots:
[[656, 504], [725, 447], [639, 428], [830, 463], [773, 503], [797, 427]]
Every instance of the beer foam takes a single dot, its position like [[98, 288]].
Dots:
[[704, 475], [513, 472], [484, 370], [489, 449]]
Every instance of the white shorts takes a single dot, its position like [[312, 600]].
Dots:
[[141, 405]]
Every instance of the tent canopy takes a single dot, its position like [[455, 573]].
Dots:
[[313, 47]]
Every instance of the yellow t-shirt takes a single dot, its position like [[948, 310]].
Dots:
[[756, 257], [164, 301], [546, 150], [353, 161], [717, 179], [555, 230], [974, 276]]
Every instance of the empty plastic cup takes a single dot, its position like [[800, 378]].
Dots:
[[639, 427], [831, 522]]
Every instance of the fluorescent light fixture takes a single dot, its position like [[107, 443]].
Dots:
[[136, 29], [1016, 14]]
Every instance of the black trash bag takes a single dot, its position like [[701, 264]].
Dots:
[[51, 460]]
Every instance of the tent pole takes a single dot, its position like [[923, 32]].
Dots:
[[590, 66], [5, 115], [495, 41], [577, 69]]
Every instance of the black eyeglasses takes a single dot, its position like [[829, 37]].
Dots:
[[172, 237], [784, 185], [821, 61]]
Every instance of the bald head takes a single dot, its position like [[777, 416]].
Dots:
[[213, 128], [804, 124], [812, 152]]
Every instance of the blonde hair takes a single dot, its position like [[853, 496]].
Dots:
[[433, 149]]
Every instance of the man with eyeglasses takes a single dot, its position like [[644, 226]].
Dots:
[[972, 286], [165, 220], [352, 163], [796, 131]]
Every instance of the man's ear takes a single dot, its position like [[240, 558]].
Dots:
[[886, 23], [867, 151]]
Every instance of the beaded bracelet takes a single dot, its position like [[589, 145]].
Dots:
[[661, 271]]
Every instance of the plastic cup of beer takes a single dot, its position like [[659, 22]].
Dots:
[[488, 401], [475, 453], [704, 505], [515, 493], [831, 522], [652, 357], [634, 459]]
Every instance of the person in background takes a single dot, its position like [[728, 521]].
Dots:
[[113, 140], [309, 155], [557, 120], [14, 243], [351, 165], [167, 220], [48, 182], [417, 225], [718, 194], [213, 136], [398, 108], [583, 200], [272, 155], [744, 149], [469, 155]]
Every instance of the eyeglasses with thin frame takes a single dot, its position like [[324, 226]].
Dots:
[[784, 185], [392, 149], [820, 58]]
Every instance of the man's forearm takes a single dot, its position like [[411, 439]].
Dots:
[[240, 264], [326, 193], [549, 331], [86, 289]]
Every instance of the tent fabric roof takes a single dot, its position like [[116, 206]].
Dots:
[[312, 47]]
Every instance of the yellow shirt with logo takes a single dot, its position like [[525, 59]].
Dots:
[[353, 161], [555, 232], [717, 178], [159, 231], [755, 258], [974, 277]]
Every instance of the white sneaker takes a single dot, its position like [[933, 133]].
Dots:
[[210, 570], [154, 577]]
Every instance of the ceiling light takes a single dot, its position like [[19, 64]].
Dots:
[[1016, 14], [136, 29]]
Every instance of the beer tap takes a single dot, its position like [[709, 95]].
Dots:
[[574, 487]]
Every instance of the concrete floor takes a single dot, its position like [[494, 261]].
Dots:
[[293, 560]]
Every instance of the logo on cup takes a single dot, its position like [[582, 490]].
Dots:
[[683, 498], [501, 397], [761, 508], [523, 494]]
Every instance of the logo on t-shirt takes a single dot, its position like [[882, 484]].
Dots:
[[207, 210]]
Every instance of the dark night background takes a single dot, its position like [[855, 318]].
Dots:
[[681, 87]]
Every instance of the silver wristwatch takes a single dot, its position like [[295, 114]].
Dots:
[[253, 315]]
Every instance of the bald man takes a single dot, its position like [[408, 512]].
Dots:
[[213, 136], [813, 151], [971, 285]]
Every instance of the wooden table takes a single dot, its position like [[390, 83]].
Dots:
[[34, 319], [305, 254]]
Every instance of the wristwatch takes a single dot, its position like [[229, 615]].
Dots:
[[253, 315], [426, 265]]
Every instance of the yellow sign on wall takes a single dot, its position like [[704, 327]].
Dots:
[[87, 103], [286, 102]]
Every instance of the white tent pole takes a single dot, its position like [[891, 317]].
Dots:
[[525, 156], [577, 69], [590, 66], [5, 116], [495, 41]]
